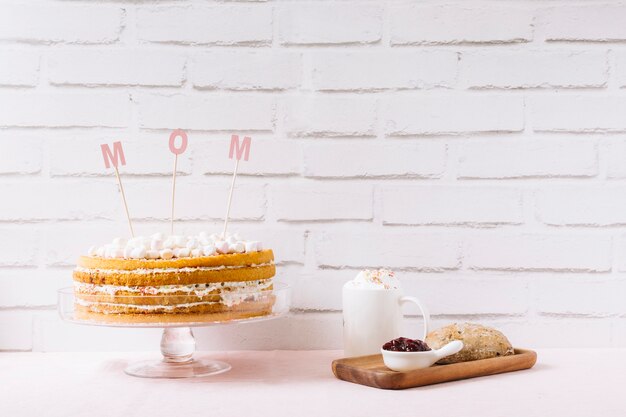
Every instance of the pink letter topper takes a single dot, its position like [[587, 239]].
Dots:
[[113, 157], [176, 151], [183, 146], [239, 149]]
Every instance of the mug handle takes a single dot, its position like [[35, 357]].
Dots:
[[423, 309]]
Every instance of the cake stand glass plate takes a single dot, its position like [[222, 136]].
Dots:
[[177, 343]]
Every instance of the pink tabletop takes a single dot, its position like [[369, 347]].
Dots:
[[299, 384]]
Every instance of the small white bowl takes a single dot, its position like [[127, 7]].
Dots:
[[410, 361]]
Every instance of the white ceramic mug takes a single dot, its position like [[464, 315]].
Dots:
[[372, 317]]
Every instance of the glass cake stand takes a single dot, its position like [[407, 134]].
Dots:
[[177, 343]]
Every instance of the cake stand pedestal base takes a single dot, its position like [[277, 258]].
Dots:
[[177, 344], [177, 348]]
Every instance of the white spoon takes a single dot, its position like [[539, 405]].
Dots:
[[409, 361]]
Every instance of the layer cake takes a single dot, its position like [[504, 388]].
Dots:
[[175, 279]]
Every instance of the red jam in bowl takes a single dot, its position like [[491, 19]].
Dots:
[[403, 344]]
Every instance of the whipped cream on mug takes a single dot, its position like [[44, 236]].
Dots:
[[375, 279]]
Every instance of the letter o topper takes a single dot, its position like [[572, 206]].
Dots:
[[183, 145]]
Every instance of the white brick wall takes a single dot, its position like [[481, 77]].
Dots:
[[374, 70], [321, 202], [211, 25], [451, 205], [64, 109], [423, 114], [60, 23], [21, 68], [440, 24], [116, 67], [558, 112], [540, 156], [534, 69], [247, 70], [199, 111], [393, 159], [330, 116], [330, 23], [478, 147], [601, 23]]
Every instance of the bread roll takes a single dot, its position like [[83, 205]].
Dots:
[[479, 342]]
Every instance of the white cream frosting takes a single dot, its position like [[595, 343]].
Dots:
[[159, 246], [142, 271], [377, 279], [146, 307], [228, 298], [199, 290]]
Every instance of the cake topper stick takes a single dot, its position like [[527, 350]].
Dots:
[[238, 150], [112, 158], [176, 151]]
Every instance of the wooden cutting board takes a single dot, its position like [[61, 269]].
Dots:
[[371, 371]]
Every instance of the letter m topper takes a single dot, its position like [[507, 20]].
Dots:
[[239, 149], [117, 155]]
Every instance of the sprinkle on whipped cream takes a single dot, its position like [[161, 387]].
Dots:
[[380, 279], [159, 246]]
